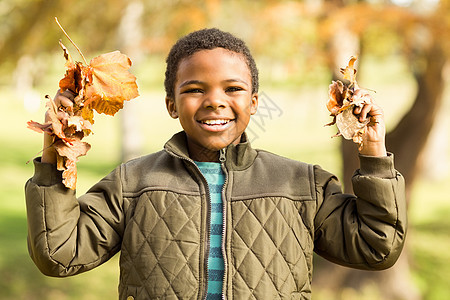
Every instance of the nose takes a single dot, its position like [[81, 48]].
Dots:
[[215, 99]]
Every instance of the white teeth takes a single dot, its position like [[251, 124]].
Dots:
[[215, 122]]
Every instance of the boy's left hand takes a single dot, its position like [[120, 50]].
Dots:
[[373, 143]]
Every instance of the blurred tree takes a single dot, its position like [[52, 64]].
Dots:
[[427, 53], [29, 26], [129, 37]]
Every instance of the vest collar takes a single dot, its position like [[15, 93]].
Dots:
[[238, 157]]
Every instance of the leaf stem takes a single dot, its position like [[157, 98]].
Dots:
[[65, 33]]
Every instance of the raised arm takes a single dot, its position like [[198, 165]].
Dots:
[[67, 235], [366, 230]]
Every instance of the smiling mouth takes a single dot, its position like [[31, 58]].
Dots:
[[215, 122]]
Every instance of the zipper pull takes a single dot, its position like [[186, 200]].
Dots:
[[222, 157]]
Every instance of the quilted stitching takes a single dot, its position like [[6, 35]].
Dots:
[[164, 235], [269, 262]]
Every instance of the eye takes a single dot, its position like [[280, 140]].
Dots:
[[192, 91], [232, 89]]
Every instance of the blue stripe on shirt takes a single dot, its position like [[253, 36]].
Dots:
[[215, 275], [216, 208], [215, 188], [215, 252], [215, 177], [216, 229]]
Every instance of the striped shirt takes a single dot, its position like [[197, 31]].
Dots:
[[215, 178]]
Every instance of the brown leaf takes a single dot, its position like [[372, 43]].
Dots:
[[72, 148], [79, 123], [52, 127], [57, 126], [75, 73], [69, 174], [69, 60], [350, 72], [60, 163], [336, 96], [75, 78], [341, 105], [348, 124], [38, 127], [112, 84], [102, 85]]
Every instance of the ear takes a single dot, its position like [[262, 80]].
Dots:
[[254, 104], [171, 107]]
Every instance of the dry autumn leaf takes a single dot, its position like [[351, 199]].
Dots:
[[112, 84], [341, 105], [102, 85], [349, 71]]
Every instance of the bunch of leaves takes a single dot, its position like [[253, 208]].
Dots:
[[341, 105], [102, 85]]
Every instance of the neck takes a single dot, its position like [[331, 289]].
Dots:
[[198, 153]]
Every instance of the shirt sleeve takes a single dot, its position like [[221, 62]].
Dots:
[[66, 235], [366, 230]]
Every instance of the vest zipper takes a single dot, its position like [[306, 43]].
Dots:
[[222, 155], [222, 159], [208, 240], [208, 219]]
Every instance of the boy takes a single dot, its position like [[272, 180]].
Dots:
[[209, 216]]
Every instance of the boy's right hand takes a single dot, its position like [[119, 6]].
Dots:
[[65, 100], [62, 99]]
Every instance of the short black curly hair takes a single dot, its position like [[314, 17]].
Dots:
[[206, 39]]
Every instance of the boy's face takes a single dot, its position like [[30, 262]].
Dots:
[[213, 99]]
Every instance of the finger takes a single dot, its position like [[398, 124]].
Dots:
[[365, 110], [357, 94], [64, 99], [361, 98], [357, 109], [376, 115], [62, 116], [69, 94]]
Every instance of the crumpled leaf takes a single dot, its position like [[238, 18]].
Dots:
[[53, 127], [69, 152], [40, 128], [349, 125], [103, 85], [67, 132], [71, 149], [336, 96], [69, 174], [341, 105]]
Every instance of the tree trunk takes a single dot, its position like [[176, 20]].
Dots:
[[407, 142], [129, 40], [409, 137]]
